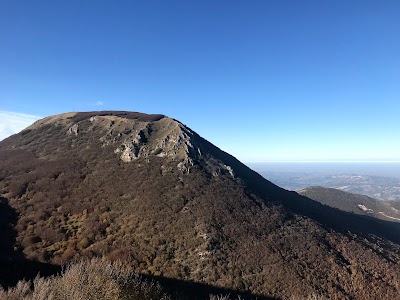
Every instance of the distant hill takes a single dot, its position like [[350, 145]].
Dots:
[[355, 203], [294, 178], [150, 191]]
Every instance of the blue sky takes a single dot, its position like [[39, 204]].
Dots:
[[263, 80]]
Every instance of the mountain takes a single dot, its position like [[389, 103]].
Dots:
[[355, 203], [150, 191]]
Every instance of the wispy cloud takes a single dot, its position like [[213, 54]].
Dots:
[[12, 122], [99, 103]]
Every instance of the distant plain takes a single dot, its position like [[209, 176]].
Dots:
[[380, 180]]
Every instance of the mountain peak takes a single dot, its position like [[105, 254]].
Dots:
[[148, 189], [134, 136], [76, 117]]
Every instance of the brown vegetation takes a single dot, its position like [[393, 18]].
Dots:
[[103, 280], [350, 202], [95, 279], [75, 198]]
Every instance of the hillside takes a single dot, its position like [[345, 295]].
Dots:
[[148, 190], [355, 203]]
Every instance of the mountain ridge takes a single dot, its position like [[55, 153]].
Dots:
[[180, 207], [351, 202]]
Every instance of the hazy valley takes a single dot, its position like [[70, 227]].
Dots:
[[376, 180]]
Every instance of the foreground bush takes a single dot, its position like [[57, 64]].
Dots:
[[94, 279]]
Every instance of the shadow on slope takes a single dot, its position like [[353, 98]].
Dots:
[[13, 265], [188, 290]]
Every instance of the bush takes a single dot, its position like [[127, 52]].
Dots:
[[94, 279]]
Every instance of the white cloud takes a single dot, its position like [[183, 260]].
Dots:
[[99, 103], [12, 122]]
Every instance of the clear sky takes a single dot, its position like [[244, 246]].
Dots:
[[264, 80]]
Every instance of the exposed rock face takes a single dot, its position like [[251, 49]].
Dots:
[[133, 138], [73, 129]]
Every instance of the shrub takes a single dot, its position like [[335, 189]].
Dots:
[[90, 279]]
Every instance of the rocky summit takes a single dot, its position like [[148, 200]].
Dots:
[[149, 191]]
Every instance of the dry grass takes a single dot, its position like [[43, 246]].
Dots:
[[94, 279]]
